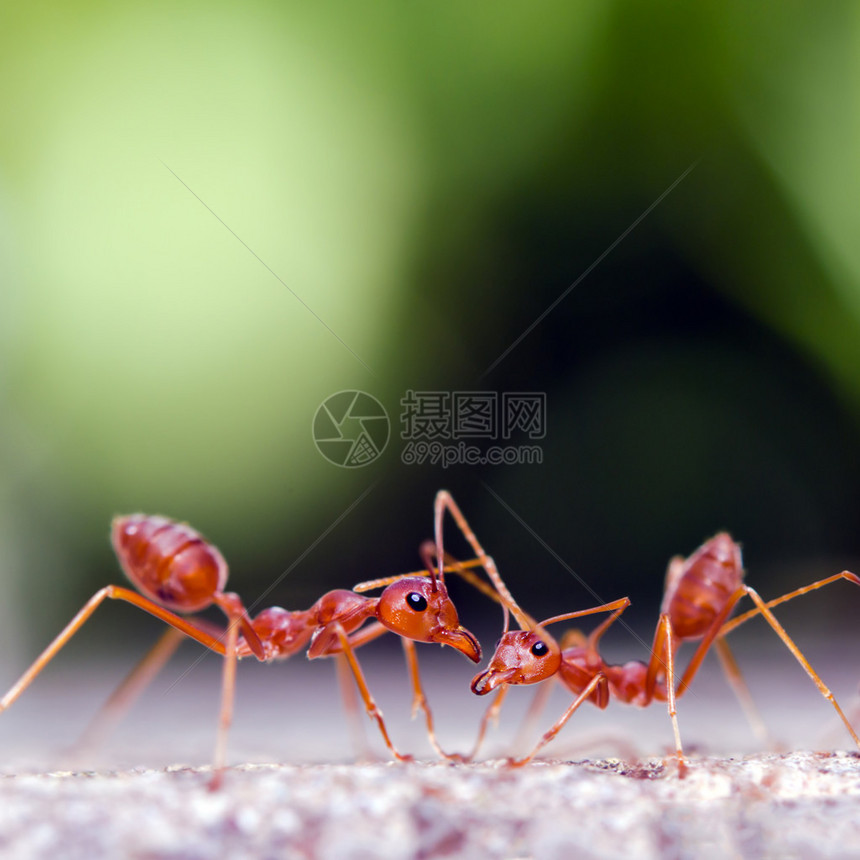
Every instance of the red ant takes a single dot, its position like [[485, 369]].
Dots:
[[700, 594], [177, 570]]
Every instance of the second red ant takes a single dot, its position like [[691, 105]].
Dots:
[[701, 592]]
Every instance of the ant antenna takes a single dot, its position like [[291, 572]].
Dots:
[[437, 528]]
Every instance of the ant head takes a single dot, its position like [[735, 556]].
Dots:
[[420, 609], [521, 657]]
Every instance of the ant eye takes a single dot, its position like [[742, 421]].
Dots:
[[539, 649], [416, 601]]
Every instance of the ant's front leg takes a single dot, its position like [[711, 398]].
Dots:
[[336, 629], [600, 682], [491, 715], [419, 702], [347, 691], [799, 656]]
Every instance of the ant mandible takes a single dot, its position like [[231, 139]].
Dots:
[[701, 592], [178, 571]]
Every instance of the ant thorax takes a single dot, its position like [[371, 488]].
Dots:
[[345, 607]]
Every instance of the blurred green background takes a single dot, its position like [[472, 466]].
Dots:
[[427, 179]]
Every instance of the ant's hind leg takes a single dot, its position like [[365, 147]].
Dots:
[[736, 622], [127, 693], [228, 692], [798, 655], [112, 592], [742, 693]]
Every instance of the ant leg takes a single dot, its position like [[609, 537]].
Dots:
[[736, 622], [419, 700], [127, 693], [736, 682], [350, 707], [231, 605], [347, 693], [228, 691], [671, 647], [325, 640], [536, 709], [370, 705], [713, 636], [664, 644], [712, 633], [597, 682], [798, 655], [491, 715], [356, 640], [112, 592]]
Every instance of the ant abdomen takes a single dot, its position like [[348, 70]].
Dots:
[[168, 561], [700, 587]]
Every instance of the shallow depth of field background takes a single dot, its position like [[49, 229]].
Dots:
[[427, 179]]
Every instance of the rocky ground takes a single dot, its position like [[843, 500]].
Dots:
[[794, 805], [604, 789]]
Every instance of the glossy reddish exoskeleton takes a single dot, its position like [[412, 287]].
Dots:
[[169, 561], [177, 571], [701, 592]]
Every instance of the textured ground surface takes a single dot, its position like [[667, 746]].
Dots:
[[128, 799], [799, 805]]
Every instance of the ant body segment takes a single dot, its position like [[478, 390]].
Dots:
[[701, 592], [177, 571]]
